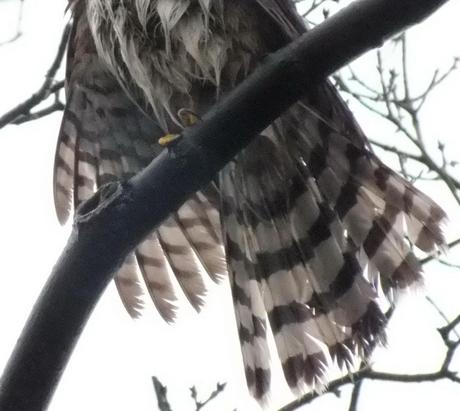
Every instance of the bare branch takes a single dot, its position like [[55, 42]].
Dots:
[[449, 246], [355, 395], [57, 105], [403, 112], [22, 112], [161, 392], [201, 404], [446, 330], [367, 374]]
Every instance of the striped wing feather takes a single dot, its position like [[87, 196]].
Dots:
[[104, 137], [315, 209]]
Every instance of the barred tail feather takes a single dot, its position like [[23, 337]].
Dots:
[[157, 276], [375, 203], [183, 261], [249, 309], [209, 198], [324, 223], [201, 235], [425, 218], [312, 290], [64, 170], [252, 329], [129, 287]]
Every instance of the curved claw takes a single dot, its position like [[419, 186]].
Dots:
[[168, 139], [188, 117]]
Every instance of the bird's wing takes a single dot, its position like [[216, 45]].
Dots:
[[315, 227], [104, 136]]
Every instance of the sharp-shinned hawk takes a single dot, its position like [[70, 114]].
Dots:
[[308, 224]]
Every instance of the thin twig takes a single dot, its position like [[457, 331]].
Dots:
[[161, 392], [400, 111], [201, 404], [355, 395], [432, 257], [48, 87]]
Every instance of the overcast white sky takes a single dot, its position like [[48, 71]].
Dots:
[[115, 357]]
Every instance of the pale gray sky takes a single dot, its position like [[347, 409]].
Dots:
[[115, 357]]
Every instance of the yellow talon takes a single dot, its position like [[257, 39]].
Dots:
[[187, 117], [168, 139]]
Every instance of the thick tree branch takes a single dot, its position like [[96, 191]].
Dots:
[[119, 216]]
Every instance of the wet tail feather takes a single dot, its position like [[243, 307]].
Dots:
[[249, 309], [323, 222], [156, 274], [128, 282]]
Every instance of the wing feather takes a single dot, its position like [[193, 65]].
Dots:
[[104, 137], [311, 245]]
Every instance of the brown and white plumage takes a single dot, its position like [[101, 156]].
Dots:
[[308, 223]]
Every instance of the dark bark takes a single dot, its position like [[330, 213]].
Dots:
[[111, 224]]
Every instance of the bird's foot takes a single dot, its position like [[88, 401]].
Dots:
[[167, 139], [187, 118]]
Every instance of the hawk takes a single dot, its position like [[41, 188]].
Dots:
[[310, 226]]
